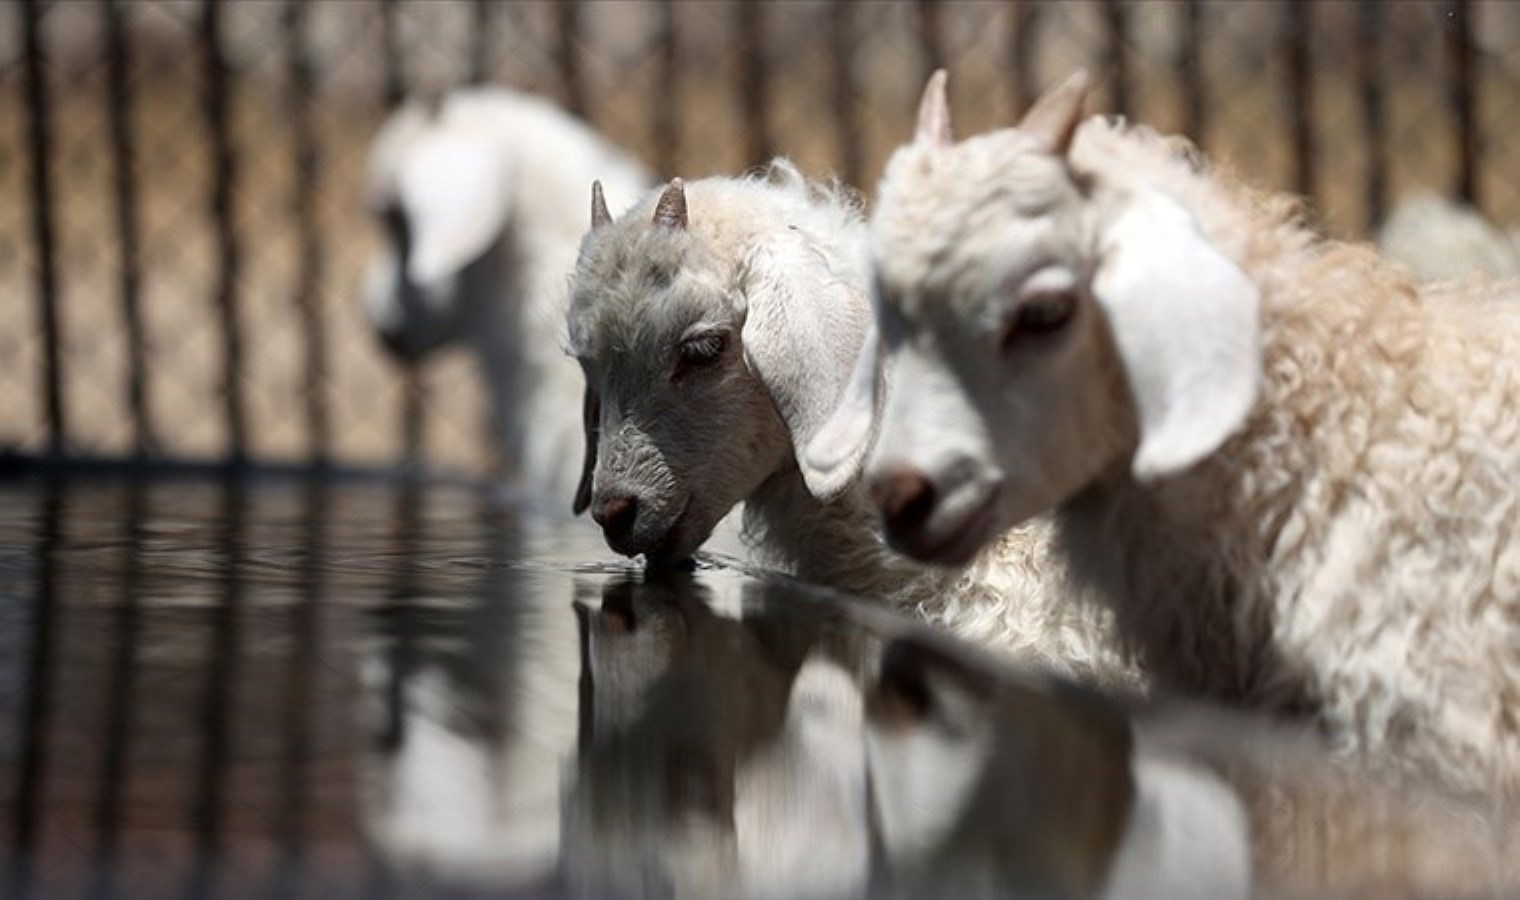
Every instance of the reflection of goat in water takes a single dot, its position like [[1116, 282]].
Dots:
[[714, 750], [987, 785]]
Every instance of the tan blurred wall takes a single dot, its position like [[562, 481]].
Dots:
[[630, 96]]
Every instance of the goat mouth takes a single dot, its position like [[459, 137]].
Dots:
[[954, 542], [671, 547]]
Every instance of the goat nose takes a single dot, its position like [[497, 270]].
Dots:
[[616, 516], [906, 498]]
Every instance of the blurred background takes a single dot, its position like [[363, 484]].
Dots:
[[182, 232]]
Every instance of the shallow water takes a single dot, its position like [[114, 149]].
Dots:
[[306, 689]]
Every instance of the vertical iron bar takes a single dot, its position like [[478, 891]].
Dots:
[[754, 81], [931, 36], [390, 51], [218, 98], [1117, 23], [842, 60], [482, 16], [219, 706], [32, 769], [1194, 109], [1462, 66], [124, 155], [1300, 75], [43, 234], [1370, 87], [1026, 21], [665, 116], [119, 714], [413, 386], [309, 234], [568, 22]]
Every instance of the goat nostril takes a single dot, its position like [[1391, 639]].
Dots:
[[617, 515], [907, 498]]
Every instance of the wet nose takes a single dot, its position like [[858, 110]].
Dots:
[[905, 497], [616, 516]]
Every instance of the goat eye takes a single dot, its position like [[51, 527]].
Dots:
[[1039, 316], [703, 350]]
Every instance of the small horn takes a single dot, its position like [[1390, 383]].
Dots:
[[599, 214], [671, 210], [934, 114]]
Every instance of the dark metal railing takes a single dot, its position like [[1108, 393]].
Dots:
[[1114, 43]]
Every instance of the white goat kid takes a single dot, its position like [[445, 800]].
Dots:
[[477, 191], [715, 343], [1292, 472]]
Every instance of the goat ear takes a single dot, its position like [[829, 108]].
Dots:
[[803, 330], [1054, 117], [837, 452], [456, 200], [591, 415], [1184, 319]]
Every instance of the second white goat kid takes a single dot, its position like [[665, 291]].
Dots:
[[1291, 471], [718, 323], [479, 191]]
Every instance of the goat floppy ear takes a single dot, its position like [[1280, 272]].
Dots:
[[591, 416], [455, 195], [838, 450], [1184, 319], [803, 329]]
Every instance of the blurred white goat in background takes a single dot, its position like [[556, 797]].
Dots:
[[482, 195], [1441, 240]]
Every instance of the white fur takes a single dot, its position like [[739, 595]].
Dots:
[[1338, 536], [1441, 239]]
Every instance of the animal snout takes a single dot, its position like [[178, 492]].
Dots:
[[906, 498], [616, 515]]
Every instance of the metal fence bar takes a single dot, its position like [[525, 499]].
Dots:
[[219, 703], [394, 87], [665, 118], [1190, 63], [1117, 33], [931, 36], [754, 84], [121, 707], [119, 99], [482, 19], [224, 182], [842, 60], [1026, 23], [567, 56], [1462, 67], [414, 398], [309, 272], [1370, 89], [1299, 71], [32, 768], [43, 231]]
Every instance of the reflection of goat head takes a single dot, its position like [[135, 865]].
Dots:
[[1014, 786], [707, 753]]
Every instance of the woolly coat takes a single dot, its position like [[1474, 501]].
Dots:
[[1354, 550]]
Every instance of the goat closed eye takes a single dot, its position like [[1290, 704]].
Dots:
[[1039, 316], [700, 350]]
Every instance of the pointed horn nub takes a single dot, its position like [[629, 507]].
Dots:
[[934, 113], [599, 214], [671, 210]]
